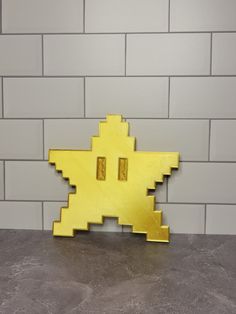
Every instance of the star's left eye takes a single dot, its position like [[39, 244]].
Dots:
[[101, 168]]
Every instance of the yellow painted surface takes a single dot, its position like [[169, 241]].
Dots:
[[112, 180]]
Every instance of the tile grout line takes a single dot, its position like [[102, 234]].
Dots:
[[181, 161], [125, 54], [167, 191], [195, 203], [209, 141], [83, 16], [1, 16], [43, 142], [4, 179], [168, 97], [66, 201], [123, 76], [2, 98], [169, 16], [127, 118], [84, 97], [211, 53], [42, 44], [120, 33]]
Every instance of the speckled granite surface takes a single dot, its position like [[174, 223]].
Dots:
[[116, 273]]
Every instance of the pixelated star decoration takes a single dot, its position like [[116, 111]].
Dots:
[[112, 180]]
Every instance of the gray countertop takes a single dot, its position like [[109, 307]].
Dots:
[[116, 273]]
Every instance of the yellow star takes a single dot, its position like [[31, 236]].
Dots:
[[112, 180]]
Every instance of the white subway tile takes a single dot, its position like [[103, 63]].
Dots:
[[51, 212], [223, 139], [21, 215], [220, 219], [184, 218], [202, 15], [1, 181], [203, 183], [20, 55], [161, 191], [224, 54], [126, 16], [127, 229], [130, 96], [84, 54], [34, 180], [33, 16], [21, 139], [69, 134], [168, 54], [43, 97], [188, 137], [203, 97]]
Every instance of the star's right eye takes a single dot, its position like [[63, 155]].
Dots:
[[123, 169]]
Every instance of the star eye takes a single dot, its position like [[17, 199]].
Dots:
[[101, 168], [123, 169]]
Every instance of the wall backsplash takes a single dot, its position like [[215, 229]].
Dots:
[[168, 66]]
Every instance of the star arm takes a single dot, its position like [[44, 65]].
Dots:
[[69, 162], [157, 164]]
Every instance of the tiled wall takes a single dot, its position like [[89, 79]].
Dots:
[[168, 66]]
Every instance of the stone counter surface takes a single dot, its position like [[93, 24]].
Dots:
[[110, 273]]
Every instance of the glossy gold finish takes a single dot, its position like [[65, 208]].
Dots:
[[112, 180]]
